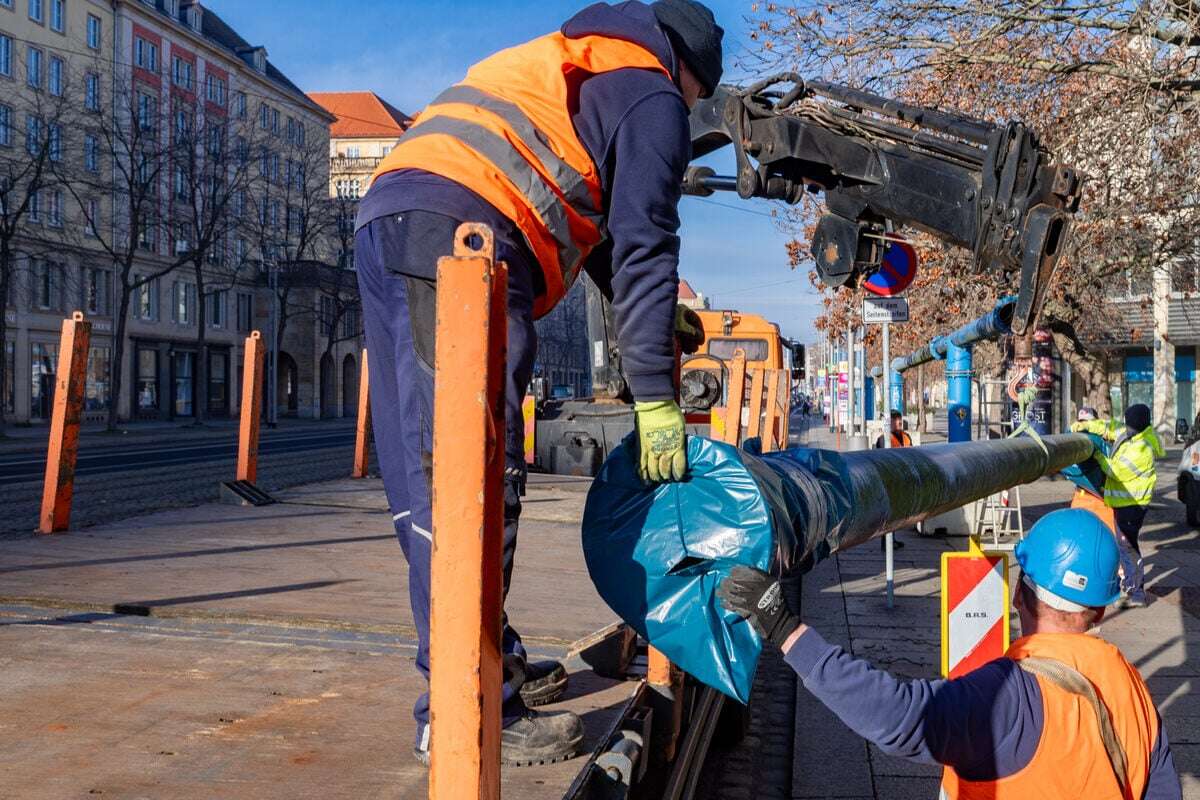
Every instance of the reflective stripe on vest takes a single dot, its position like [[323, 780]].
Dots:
[[1134, 468], [527, 180]]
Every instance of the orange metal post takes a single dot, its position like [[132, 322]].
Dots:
[[468, 478], [785, 407], [59, 485], [362, 433], [754, 406], [252, 389], [771, 424], [734, 398]]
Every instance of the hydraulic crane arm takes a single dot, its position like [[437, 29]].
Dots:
[[990, 188]]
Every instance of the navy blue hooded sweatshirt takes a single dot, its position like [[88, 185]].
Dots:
[[634, 124]]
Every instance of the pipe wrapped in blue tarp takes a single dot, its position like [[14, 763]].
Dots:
[[657, 553]]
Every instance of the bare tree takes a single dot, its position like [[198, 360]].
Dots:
[[31, 165]]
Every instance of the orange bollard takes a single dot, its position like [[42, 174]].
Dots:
[[252, 390], [362, 432], [771, 424], [58, 488], [468, 505], [734, 398]]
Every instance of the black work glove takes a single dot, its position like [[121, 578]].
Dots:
[[689, 329], [756, 596]]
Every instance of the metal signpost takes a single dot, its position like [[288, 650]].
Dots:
[[884, 311]]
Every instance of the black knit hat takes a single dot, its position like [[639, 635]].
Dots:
[[1137, 417], [696, 36]]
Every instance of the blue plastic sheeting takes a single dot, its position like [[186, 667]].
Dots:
[[1088, 475], [661, 576]]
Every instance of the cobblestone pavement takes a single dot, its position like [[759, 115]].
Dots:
[[112, 496]]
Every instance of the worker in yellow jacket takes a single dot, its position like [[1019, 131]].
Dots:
[[1128, 486]]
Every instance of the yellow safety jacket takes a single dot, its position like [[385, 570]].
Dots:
[[1129, 470]]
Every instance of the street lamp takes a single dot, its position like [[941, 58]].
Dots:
[[273, 353]]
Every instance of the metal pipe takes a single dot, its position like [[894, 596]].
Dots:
[[958, 391], [992, 325]]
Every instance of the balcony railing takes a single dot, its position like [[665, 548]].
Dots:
[[347, 164]]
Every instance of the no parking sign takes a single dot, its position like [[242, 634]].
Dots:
[[896, 270], [975, 608]]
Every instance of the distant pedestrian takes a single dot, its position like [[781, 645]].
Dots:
[[1129, 478], [900, 437]]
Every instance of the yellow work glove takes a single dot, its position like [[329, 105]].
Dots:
[[662, 447], [689, 330]]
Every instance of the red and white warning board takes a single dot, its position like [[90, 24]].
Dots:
[[975, 607]]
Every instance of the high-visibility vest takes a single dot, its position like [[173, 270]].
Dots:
[[506, 134], [1070, 760], [1129, 470]]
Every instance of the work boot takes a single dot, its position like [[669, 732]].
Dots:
[[541, 737], [545, 682]]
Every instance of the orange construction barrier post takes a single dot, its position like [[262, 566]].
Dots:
[[785, 408], [754, 406], [468, 510], [771, 427], [58, 488], [362, 432], [252, 390], [734, 397]]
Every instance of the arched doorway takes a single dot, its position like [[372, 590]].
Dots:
[[287, 388], [349, 387], [328, 387]]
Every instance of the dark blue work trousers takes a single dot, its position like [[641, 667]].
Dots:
[[399, 314]]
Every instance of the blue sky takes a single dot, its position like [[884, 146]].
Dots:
[[408, 51]]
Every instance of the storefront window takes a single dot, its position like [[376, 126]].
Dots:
[[147, 379], [43, 366], [218, 380], [97, 395], [184, 367]]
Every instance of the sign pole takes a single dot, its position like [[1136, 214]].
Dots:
[[889, 537]]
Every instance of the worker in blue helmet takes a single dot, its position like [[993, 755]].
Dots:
[[1062, 714]]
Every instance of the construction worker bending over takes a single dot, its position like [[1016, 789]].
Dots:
[[1129, 478], [1061, 715], [572, 148]]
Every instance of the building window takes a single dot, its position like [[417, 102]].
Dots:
[[239, 105], [37, 11], [181, 184], [35, 208], [97, 291], [43, 363], [293, 221], [183, 126], [214, 309], [54, 213], [33, 134], [147, 379], [47, 285], [56, 76], [218, 381], [183, 364], [183, 302], [239, 251], [145, 299], [33, 67], [352, 151], [182, 73], [147, 112], [10, 366], [91, 223], [245, 311], [6, 113], [93, 32], [91, 152], [215, 89], [327, 315], [91, 91], [351, 325], [96, 391], [6, 55], [145, 54], [58, 15], [148, 233], [264, 117], [54, 141]]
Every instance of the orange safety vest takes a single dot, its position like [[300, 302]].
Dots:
[[506, 134], [1086, 500], [1070, 760]]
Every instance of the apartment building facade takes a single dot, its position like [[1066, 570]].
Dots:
[[366, 130], [229, 159]]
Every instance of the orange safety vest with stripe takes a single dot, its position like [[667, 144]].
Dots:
[[1070, 760], [506, 134], [1090, 502]]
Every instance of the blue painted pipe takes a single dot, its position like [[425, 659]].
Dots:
[[897, 399], [956, 350]]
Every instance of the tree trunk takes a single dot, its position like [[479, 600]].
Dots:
[[116, 383], [200, 388], [1163, 403], [5, 287]]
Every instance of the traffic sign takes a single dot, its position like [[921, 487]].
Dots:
[[974, 611], [896, 270], [876, 310]]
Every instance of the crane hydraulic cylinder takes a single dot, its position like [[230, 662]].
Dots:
[[657, 553]]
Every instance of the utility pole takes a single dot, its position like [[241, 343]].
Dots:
[[889, 537]]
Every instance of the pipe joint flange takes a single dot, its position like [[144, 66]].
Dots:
[[960, 373]]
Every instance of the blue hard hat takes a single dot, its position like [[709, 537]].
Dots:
[[1072, 554]]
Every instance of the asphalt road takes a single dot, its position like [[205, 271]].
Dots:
[[98, 460]]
